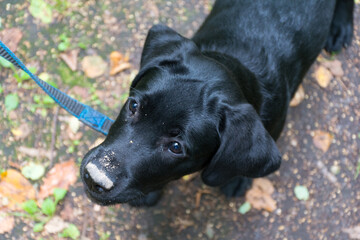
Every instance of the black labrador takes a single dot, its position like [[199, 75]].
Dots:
[[216, 102]]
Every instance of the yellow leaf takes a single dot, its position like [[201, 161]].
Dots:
[[298, 97], [322, 140], [322, 76], [15, 188], [259, 196]]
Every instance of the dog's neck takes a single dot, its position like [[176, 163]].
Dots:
[[245, 79]]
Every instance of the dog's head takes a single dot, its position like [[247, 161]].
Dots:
[[184, 113]]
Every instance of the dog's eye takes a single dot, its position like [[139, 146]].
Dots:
[[175, 147], [133, 106]]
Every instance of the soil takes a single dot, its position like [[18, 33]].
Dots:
[[101, 27]]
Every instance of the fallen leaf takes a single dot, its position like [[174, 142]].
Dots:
[[322, 140], [62, 175], [354, 232], [118, 63], [74, 124], [11, 37], [7, 224], [210, 231], [93, 66], [11, 102], [56, 225], [183, 223], [190, 177], [70, 58], [334, 67], [298, 97], [322, 76], [15, 189], [301, 193], [35, 152], [21, 132], [41, 10], [82, 92], [33, 171], [244, 208], [259, 196]]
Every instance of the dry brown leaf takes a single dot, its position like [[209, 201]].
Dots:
[[15, 189], [35, 152], [11, 37], [82, 92], [322, 140], [118, 63], [354, 232], [298, 97], [62, 175], [21, 132], [334, 67], [55, 225], [70, 58], [7, 224], [259, 196], [322, 76], [93, 66], [183, 224]]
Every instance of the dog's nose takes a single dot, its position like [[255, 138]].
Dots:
[[96, 179]]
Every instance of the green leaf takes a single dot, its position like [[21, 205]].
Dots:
[[30, 207], [244, 208], [71, 231], [48, 207], [38, 227], [37, 98], [33, 171], [59, 194], [1, 89], [5, 63], [63, 46], [301, 192], [41, 10], [11, 101], [48, 100]]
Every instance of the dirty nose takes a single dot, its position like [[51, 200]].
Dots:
[[96, 179]]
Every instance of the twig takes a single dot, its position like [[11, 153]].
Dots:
[[84, 226], [53, 136]]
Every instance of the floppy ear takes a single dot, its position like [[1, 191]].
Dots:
[[163, 43], [246, 148], [165, 48]]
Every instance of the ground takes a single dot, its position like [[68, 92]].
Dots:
[[101, 27]]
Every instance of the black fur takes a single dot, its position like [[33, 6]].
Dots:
[[222, 96]]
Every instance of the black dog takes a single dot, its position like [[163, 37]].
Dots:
[[216, 102]]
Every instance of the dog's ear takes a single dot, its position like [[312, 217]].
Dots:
[[164, 44], [246, 148], [167, 49]]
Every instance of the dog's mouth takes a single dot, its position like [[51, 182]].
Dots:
[[106, 199]]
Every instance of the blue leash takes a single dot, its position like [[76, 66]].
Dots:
[[84, 113]]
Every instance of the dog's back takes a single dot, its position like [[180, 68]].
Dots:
[[276, 40], [268, 35]]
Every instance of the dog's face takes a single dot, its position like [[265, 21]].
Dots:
[[179, 118]]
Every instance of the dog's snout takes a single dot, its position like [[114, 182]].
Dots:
[[96, 179]]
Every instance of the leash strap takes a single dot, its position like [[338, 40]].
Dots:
[[84, 113]]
